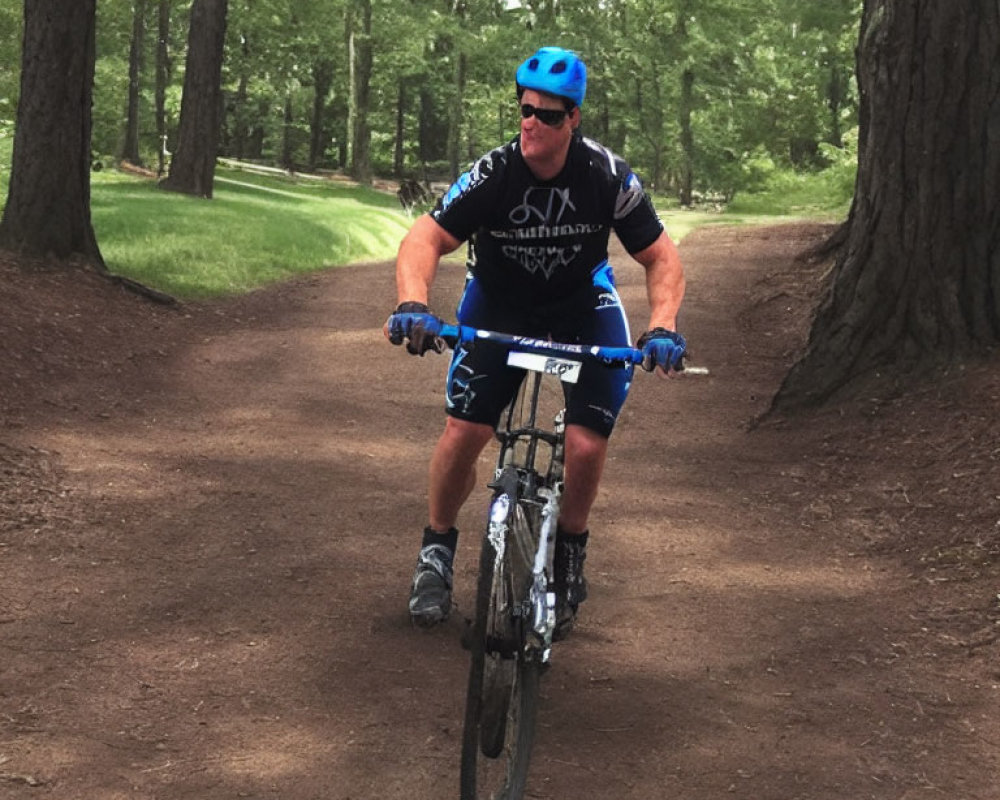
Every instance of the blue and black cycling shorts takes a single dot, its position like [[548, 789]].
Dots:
[[480, 384]]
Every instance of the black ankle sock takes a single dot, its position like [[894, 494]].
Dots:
[[578, 538], [449, 539]]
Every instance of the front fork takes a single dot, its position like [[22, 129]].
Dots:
[[541, 599]]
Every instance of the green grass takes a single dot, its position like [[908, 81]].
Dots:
[[256, 230], [825, 194]]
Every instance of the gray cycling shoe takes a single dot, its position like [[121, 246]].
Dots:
[[569, 584], [430, 596]]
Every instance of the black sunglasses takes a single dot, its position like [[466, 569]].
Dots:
[[549, 116]]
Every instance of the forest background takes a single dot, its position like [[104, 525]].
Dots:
[[710, 101]]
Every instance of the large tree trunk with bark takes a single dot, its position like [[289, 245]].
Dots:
[[917, 276], [192, 168], [48, 203]]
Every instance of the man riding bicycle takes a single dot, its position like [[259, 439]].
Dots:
[[537, 213]]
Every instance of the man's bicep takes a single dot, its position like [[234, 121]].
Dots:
[[662, 249], [431, 232]]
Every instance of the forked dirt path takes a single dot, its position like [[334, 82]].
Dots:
[[209, 520]]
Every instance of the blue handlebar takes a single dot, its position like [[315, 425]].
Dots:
[[463, 334]]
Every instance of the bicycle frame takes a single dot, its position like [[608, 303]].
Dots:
[[519, 480]]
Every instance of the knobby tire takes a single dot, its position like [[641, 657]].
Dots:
[[502, 697]]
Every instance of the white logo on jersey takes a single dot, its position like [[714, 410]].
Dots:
[[546, 206], [542, 259]]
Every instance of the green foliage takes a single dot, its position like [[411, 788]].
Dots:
[[255, 231], [6, 153], [11, 24], [776, 190], [763, 72], [771, 82]]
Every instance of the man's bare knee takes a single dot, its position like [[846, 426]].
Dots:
[[466, 435]]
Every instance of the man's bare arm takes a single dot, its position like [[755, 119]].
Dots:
[[418, 257], [664, 281]]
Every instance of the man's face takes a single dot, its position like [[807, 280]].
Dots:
[[540, 141]]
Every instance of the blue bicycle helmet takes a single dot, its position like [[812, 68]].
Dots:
[[554, 71]]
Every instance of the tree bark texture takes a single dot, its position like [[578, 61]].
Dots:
[[917, 278], [685, 112], [397, 150], [287, 131], [362, 64], [192, 168], [323, 75], [48, 202], [162, 81], [130, 140], [455, 160]]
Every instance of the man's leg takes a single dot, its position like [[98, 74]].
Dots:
[[586, 452], [453, 469], [451, 480]]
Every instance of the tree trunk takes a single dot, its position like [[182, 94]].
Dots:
[[361, 63], [687, 138], [240, 107], [288, 124], [322, 72], [348, 138], [192, 169], [48, 202], [455, 161], [836, 94], [397, 149], [130, 141], [162, 82], [685, 109], [917, 280], [254, 148], [433, 130]]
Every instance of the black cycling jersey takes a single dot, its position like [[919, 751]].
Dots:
[[537, 242]]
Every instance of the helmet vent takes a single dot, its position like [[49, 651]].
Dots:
[[558, 67], [533, 64]]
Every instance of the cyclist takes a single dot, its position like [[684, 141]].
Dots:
[[537, 214]]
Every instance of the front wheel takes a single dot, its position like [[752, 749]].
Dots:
[[502, 698]]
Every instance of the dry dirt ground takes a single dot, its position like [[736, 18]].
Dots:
[[209, 517]]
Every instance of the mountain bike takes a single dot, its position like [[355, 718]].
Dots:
[[515, 610]]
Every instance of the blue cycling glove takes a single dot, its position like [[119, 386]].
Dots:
[[662, 348], [413, 323]]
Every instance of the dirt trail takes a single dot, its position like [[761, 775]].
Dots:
[[209, 517]]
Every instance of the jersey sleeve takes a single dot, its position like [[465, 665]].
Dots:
[[463, 208], [635, 219]]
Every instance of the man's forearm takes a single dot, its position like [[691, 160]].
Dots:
[[418, 257], [664, 282]]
